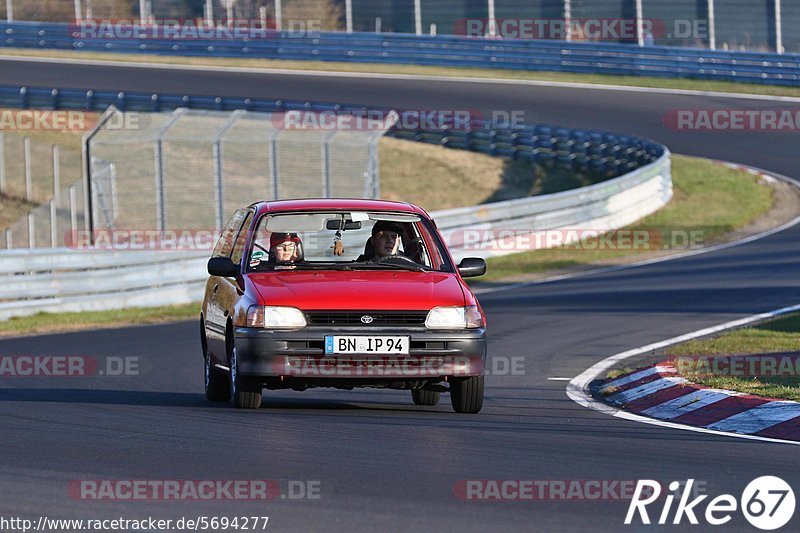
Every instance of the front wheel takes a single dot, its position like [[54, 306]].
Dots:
[[425, 397], [466, 394], [246, 395]]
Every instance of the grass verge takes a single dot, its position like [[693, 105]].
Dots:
[[376, 68], [63, 322], [709, 202], [778, 335]]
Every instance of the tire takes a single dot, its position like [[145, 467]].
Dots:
[[246, 395], [425, 397], [218, 384], [466, 394]]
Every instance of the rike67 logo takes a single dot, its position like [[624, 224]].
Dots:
[[767, 503]]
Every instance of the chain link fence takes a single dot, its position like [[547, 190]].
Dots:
[[190, 169], [743, 25]]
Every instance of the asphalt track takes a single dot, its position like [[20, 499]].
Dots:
[[384, 464]]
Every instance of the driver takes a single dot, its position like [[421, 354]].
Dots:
[[284, 247], [385, 240]]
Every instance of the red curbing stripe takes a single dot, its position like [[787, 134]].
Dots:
[[789, 430], [719, 410], [659, 397]]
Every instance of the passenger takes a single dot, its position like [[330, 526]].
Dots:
[[385, 241], [285, 248]]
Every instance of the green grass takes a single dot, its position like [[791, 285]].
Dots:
[[61, 322], [709, 202], [634, 81], [778, 335]]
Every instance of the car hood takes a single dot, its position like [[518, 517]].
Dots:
[[358, 290]]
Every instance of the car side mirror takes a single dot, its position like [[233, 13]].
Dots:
[[471, 267], [223, 267]]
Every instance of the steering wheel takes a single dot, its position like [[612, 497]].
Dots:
[[395, 260]]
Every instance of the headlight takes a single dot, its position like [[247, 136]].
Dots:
[[454, 318], [275, 317]]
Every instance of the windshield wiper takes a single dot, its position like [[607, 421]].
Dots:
[[390, 266]]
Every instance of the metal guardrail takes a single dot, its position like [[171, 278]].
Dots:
[[535, 55], [58, 280]]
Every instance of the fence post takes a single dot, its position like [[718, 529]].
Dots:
[[2, 163], [418, 16], [218, 190], [348, 8], [53, 224], [28, 177], [73, 213], [278, 15], [778, 27], [10, 10], [159, 183], [274, 168], [56, 171], [8, 238], [378, 24], [326, 166], [712, 26], [639, 23], [31, 231], [78, 15], [568, 20]]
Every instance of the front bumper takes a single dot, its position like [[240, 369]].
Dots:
[[299, 354]]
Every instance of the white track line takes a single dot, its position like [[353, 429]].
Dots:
[[577, 389], [408, 77]]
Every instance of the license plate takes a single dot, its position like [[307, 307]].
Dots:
[[384, 345]]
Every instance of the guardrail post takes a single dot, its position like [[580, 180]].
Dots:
[[31, 231], [56, 171], [26, 142], [53, 224]]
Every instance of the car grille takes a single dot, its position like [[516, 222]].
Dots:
[[379, 318]]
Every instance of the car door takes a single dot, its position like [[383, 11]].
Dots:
[[214, 313]]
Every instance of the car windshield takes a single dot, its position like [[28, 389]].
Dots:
[[346, 240]]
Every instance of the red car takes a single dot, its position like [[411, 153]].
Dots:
[[340, 293]]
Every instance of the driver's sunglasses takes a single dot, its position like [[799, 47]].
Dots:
[[286, 247]]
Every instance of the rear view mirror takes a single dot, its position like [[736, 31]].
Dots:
[[336, 225], [471, 267], [222, 267]]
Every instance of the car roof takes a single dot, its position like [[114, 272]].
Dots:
[[336, 204]]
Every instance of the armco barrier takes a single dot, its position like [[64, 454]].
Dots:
[[534, 55]]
